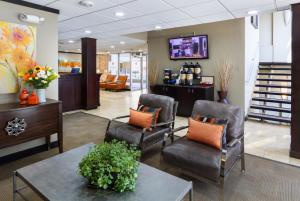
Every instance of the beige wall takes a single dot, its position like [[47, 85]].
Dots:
[[47, 41], [226, 40], [47, 54]]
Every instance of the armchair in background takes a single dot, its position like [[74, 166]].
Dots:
[[120, 84], [109, 78]]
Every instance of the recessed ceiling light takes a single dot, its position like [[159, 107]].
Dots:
[[123, 51], [112, 46], [70, 41], [140, 50], [252, 12], [119, 14], [66, 50], [157, 27], [122, 42], [79, 49], [86, 3], [88, 31], [108, 52]]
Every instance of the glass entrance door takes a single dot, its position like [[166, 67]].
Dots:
[[136, 72]]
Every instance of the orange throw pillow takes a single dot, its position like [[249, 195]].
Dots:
[[140, 119], [206, 133]]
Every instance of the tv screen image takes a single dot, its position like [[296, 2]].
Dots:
[[193, 47]]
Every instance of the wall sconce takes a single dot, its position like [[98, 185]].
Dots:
[[31, 18]]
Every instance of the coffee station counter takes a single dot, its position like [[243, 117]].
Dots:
[[185, 95]]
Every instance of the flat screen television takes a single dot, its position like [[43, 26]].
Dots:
[[192, 47]]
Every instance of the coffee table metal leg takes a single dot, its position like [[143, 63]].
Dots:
[[14, 186], [191, 194]]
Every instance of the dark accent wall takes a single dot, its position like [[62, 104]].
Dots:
[[32, 5], [89, 79], [295, 124]]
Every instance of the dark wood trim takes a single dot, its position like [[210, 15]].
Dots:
[[275, 63], [69, 52], [295, 103], [27, 152], [33, 5]]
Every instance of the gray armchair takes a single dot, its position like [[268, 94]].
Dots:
[[202, 160], [144, 138]]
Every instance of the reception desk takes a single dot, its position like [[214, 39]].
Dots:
[[70, 92]]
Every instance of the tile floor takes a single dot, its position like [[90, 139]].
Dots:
[[261, 139]]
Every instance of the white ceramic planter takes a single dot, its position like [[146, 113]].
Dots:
[[41, 94]]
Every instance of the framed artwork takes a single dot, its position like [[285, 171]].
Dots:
[[17, 54]]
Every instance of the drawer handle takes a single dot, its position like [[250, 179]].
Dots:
[[15, 127]]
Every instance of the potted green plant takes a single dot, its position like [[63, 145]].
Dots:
[[111, 166]]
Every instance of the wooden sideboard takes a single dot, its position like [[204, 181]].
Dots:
[[41, 120], [185, 95]]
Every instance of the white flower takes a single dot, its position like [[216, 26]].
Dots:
[[42, 72], [39, 74]]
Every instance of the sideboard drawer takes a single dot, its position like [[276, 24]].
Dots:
[[41, 122]]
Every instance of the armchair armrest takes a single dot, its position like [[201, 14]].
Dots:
[[162, 124], [121, 117], [233, 142]]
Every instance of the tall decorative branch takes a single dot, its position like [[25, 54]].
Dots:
[[224, 74], [153, 74]]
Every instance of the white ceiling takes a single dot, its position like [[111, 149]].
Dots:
[[143, 16]]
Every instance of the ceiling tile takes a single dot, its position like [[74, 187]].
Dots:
[[216, 17], [203, 9], [148, 6], [244, 12], [182, 3], [245, 4], [169, 16]]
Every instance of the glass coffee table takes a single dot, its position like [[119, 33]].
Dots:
[[56, 179]]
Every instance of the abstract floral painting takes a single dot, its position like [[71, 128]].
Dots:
[[17, 54]]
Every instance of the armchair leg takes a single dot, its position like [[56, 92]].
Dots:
[[221, 189], [243, 157]]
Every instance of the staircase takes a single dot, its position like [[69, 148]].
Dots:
[[271, 101]]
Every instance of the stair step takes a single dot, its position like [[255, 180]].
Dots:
[[269, 117], [272, 68], [271, 100], [273, 93], [270, 108], [273, 86], [276, 74], [273, 80]]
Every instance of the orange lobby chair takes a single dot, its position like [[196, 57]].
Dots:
[[110, 78], [120, 84]]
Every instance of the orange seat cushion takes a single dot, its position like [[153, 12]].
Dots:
[[205, 133], [141, 119]]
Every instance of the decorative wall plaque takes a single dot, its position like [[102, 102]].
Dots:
[[16, 127]]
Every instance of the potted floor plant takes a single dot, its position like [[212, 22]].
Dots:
[[153, 75], [39, 77], [224, 75], [111, 166]]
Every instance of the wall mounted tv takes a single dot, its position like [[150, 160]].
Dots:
[[192, 47]]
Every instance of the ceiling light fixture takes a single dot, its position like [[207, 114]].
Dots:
[[112, 46], [122, 42], [70, 41], [88, 31], [157, 27], [119, 14], [252, 12], [86, 3]]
